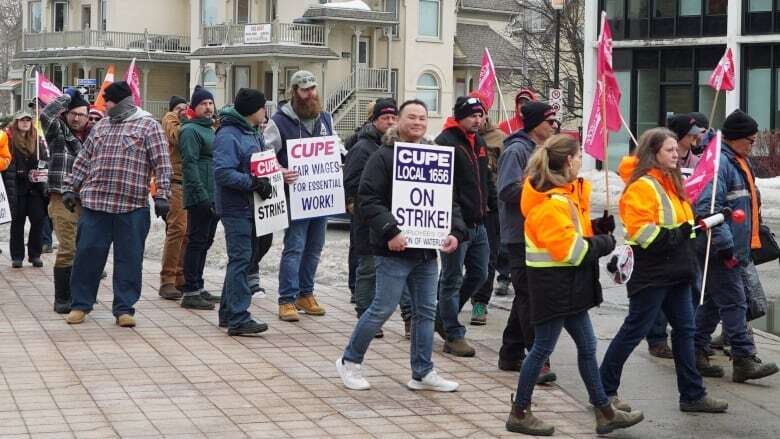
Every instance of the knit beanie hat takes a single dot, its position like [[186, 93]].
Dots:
[[248, 101], [683, 124], [199, 95], [174, 101], [534, 113], [466, 106], [117, 92], [95, 110], [77, 100], [384, 106], [739, 125]]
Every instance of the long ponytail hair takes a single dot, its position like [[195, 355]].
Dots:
[[650, 142], [547, 167]]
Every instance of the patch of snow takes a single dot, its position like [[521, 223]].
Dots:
[[353, 4], [598, 194], [770, 197]]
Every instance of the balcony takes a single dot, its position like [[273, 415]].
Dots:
[[264, 33], [95, 39]]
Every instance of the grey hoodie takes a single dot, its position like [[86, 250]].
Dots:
[[511, 171]]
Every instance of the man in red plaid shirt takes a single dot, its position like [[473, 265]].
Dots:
[[110, 179]]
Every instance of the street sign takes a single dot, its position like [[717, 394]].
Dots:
[[557, 4], [86, 82], [556, 94], [556, 100]]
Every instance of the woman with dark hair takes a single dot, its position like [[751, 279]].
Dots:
[[26, 190], [563, 247], [659, 228]]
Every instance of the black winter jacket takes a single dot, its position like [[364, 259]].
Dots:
[[369, 141], [16, 180]]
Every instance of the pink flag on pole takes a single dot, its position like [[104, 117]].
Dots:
[[705, 170], [594, 137], [487, 79], [45, 90], [723, 76], [135, 84]]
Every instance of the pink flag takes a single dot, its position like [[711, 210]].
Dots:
[[135, 84], [594, 137], [705, 170], [605, 73], [487, 80], [723, 76], [45, 89]]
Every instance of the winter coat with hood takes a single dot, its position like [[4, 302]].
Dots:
[[376, 196], [473, 189], [511, 171], [369, 141], [196, 145], [666, 258], [285, 125], [235, 142], [560, 291]]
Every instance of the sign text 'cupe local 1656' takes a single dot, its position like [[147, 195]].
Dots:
[[422, 193], [270, 214], [319, 190]]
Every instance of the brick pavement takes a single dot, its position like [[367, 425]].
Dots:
[[178, 375]]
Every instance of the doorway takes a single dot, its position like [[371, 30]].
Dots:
[[86, 17]]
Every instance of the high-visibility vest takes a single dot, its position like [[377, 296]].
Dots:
[[667, 216], [540, 257]]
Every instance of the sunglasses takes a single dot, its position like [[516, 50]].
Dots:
[[95, 118], [552, 122]]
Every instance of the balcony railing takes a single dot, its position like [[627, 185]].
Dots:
[[264, 33], [146, 41]]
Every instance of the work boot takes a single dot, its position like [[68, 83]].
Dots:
[[619, 404], [751, 368], [478, 314], [522, 420], [125, 321], [408, 328], [17, 263], [46, 248], [288, 312], [706, 369], [458, 348], [608, 419], [546, 375], [196, 301], [309, 305], [510, 365], [661, 350], [62, 290], [36, 262], [248, 328], [169, 292], [75, 316], [379, 333], [502, 289], [706, 404], [205, 295]]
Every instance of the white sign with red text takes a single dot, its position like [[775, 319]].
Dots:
[[319, 190], [271, 214], [5, 207]]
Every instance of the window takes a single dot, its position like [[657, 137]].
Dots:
[[60, 12], [210, 78], [428, 23], [58, 76], [100, 75], [392, 6], [208, 13], [270, 10], [86, 17], [34, 16], [643, 19], [241, 77], [428, 91], [535, 21], [690, 7], [103, 15], [242, 12], [760, 6], [761, 17]]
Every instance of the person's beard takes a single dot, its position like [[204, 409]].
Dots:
[[306, 109]]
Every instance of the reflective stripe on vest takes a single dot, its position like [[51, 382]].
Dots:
[[666, 214], [540, 257]]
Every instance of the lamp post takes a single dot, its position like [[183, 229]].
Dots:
[[558, 6]]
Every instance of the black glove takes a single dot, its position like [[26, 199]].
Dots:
[[263, 187], [685, 230], [612, 264], [203, 206], [70, 200], [603, 225], [602, 245], [161, 207]]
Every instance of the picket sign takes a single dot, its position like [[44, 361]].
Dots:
[[271, 214], [319, 190]]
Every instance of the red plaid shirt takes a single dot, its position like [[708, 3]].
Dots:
[[112, 170]]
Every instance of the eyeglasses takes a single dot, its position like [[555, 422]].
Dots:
[[95, 118], [77, 115]]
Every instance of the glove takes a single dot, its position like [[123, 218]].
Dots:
[[263, 187], [70, 200], [612, 264], [161, 207], [685, 230], [727, 256], [602, 245], [604, 225], [203, 206]]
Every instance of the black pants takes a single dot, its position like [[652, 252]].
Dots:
[[201, 227], [485, 292], [33, 207], [519, 333], [353, 257], [260, 246]]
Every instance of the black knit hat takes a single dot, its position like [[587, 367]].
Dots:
[[465, 106], [739, 125], [683, 124], [199, 95], [77, 100], [534, 113], [384, 106], [248, 101], [117, 92], [174, 101]]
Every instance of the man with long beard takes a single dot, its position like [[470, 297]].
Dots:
[[300, 118]]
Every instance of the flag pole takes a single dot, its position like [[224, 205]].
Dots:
[[712, 209], [606, 141], [630, 134], [498, 86], [714, 105]]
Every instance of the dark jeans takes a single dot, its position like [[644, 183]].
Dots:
[[46, 232], [675, 301], [30, 207], [485, 292], [201, 227], [502, 263], [96, 232], [353, 258], [519, 333], [236, 295], [657, 334]]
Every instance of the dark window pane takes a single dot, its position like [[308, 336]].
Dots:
[[621, 59], [714, 25], [638, 8], [758, 56], [678, 58], [716, 7], [663, 27], [665, 8], [708, 57], [759, 23], [678, 100], [688, 26], [646, 59]]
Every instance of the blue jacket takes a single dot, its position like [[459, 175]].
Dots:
[[511, 171], [235, 142], [733, 191]]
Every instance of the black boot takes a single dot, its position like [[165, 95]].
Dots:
[[62, 290], [751, 368]]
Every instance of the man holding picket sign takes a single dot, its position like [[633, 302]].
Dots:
[[406, 199]]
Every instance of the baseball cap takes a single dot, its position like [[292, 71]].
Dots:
[[303, 79]]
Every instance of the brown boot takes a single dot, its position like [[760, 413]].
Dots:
[[459, 348], [75, 316], [309, 305], [608, 419], [706, 369], [288, 313], [169, 292], [751, 368], [661, 350], [522, 420]]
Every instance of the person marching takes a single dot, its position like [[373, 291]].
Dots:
[[562, 255], [659, 223]]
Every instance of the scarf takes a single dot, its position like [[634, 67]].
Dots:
[[121, 111], [755, 241]]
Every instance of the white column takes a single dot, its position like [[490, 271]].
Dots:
[[145, 72], [324, 70], [589, 83], [389, 35], [275, 70], [733, 30], [229, 92]]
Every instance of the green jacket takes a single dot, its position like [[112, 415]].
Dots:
[[196, 145]]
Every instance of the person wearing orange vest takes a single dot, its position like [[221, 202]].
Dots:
[[659, 228], [562, 255]]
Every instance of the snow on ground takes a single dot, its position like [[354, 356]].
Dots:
[[770, 197], [354, 4], [598, 194]]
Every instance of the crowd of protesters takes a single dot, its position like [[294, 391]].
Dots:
[[519, 209]]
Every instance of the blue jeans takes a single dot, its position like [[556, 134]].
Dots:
[[236, 295], [475, 255], [393, 275], [675, 301], [96, 232], [303, 242], [365, 287], [657, 334], [546, 336], [724, 300], [46, 232]]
